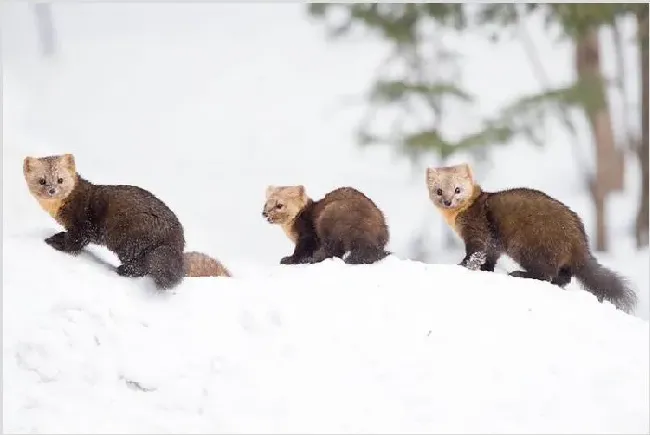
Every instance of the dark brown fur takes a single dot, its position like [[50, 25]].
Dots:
[[540, 233], [344, 220], [130, 221]]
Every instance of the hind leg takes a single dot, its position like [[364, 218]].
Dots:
[[132, 258], [365, 255], [529, 274], [563, 278], [325, 251], [134, 268]]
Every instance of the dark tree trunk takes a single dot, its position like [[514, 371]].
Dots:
[[642, 221], [609, 160]]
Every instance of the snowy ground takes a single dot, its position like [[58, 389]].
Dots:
[[393, 347], [206, 124]]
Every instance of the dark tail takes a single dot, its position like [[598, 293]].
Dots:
[[606, 284], [366, 255], [165, 265]]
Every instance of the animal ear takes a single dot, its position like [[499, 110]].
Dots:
[[300, 190], [432, 175], [468, 170], [68, 161], [28, 164], [270, 190]]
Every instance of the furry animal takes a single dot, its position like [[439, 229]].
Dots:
[[540, 233], [344, 220], [130, 221]]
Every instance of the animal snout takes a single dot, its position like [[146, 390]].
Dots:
[[51, 191], [446, 202], [265, 214]]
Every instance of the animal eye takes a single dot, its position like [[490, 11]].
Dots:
[[457, 190], [279, 206], [60, 180], [41, 181], [439, 192]]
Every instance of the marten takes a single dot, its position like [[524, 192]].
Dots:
[[130, 221], [344, 220], [540, 233]]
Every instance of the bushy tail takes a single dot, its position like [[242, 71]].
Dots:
[[606, 284], [366, 255], [199, 264], [165, 265]]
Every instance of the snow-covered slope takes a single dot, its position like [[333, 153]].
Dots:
[[393, 347], [172, 104]]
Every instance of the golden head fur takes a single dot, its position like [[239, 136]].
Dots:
[[50, 180], [452, 190], [283, 203], [282, 206]]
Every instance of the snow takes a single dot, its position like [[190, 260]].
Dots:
[[391, 347], [173, 105]]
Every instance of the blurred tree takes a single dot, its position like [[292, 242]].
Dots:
[[582, 23], [420, 75], [642, 220], [408, 27], [45, 27]]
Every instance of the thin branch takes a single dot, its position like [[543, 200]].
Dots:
[[540, 71]]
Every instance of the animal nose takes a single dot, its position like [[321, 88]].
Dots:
[[446, 202], [52, 191], [265, 214]]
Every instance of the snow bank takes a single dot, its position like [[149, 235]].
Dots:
[[398, 346], [394, 347]]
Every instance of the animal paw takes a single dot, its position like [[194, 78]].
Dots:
[[475, 261], [57, 241], [287, 260], [131, 270]]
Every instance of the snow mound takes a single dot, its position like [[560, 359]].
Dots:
[[397, 346]]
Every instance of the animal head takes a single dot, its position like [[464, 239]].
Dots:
[[451, 186], [51, 177], [283, 203]]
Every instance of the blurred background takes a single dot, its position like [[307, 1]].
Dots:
[[207, 103]]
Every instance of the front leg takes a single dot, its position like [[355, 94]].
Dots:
[[67, 242], [475, 255], [479, 253], [475, 261], [304, 249]]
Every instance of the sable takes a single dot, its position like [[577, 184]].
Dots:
[[344, 220], [130, 221], [543, 235]]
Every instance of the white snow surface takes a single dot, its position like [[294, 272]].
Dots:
[[395, 347], [399, 346]]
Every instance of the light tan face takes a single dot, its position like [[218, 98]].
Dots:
[[451, 186], [283, 203], [51, 177]]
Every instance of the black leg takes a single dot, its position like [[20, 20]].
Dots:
[[319, 255], [490, 263], [304, 249], [295, 259], [67, 242], [132, 269], [287, 260], [475, 260], [527, 274], [563, 278]]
